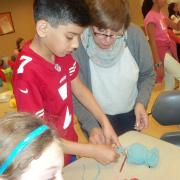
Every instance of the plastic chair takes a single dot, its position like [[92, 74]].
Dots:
[[166, 111]]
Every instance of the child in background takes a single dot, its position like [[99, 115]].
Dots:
[[2, 75], [156, 24], [19, 44], [28, 149], [45, 75], [173, 12], [3, 65], [174, 15]]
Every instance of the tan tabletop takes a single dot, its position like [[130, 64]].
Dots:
[[4, 106], [167, 169]]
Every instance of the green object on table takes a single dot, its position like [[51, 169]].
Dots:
[[1, 82], [8, 75]]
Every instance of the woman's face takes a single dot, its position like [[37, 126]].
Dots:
[[105, 38], [47, 167]]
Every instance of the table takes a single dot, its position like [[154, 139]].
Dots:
[[5, 107], [167, 169]]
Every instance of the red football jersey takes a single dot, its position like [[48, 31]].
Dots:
[[44, 89]]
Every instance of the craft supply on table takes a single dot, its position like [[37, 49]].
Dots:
[[97, 174], [123, 163], [8, 75], [140, 154], [5, 96]]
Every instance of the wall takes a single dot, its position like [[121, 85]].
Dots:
[[135, 11], [21, 12]]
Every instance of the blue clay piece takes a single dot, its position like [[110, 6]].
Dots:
[[136, 154], [141, 155], [152, 158]]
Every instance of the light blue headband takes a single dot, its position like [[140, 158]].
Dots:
[[19, 147]]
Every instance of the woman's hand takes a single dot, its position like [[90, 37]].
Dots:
[[97, 136], [110, 135], [141, 117]]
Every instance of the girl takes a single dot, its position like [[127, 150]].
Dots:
[[174, 15], [156, 24], [28, 149]]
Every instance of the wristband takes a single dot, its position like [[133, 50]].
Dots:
[[158, 64]]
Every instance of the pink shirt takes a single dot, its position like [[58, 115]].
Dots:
[[163, 41], [158, 19]]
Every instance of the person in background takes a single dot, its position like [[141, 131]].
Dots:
[[45, 76], [19, 44], [156, 25], [116, 65], [3, 66], [174, 13], [26, 145]]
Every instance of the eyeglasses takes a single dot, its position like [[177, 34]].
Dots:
[[104, 36]]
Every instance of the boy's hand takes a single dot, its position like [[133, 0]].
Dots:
[[105, 154], [110, 135], [141, 117], [97, 136]]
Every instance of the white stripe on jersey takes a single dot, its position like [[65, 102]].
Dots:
[[74, 66], [71, 72], [40, 113], [68, 119], [72, 69]]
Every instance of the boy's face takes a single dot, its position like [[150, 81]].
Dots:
[[62, 40], [48, 166]]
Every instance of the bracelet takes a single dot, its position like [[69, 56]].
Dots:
[[158, 64]]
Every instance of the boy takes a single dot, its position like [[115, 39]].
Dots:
[[45, 72]]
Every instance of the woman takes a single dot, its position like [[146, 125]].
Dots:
[[116, 65]]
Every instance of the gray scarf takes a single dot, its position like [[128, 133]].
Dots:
[[103, 57]]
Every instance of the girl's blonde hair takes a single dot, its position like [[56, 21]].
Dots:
[[109, 14], [14, 128]]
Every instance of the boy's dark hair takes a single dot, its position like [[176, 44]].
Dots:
[[58, 12], [146, 7]]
